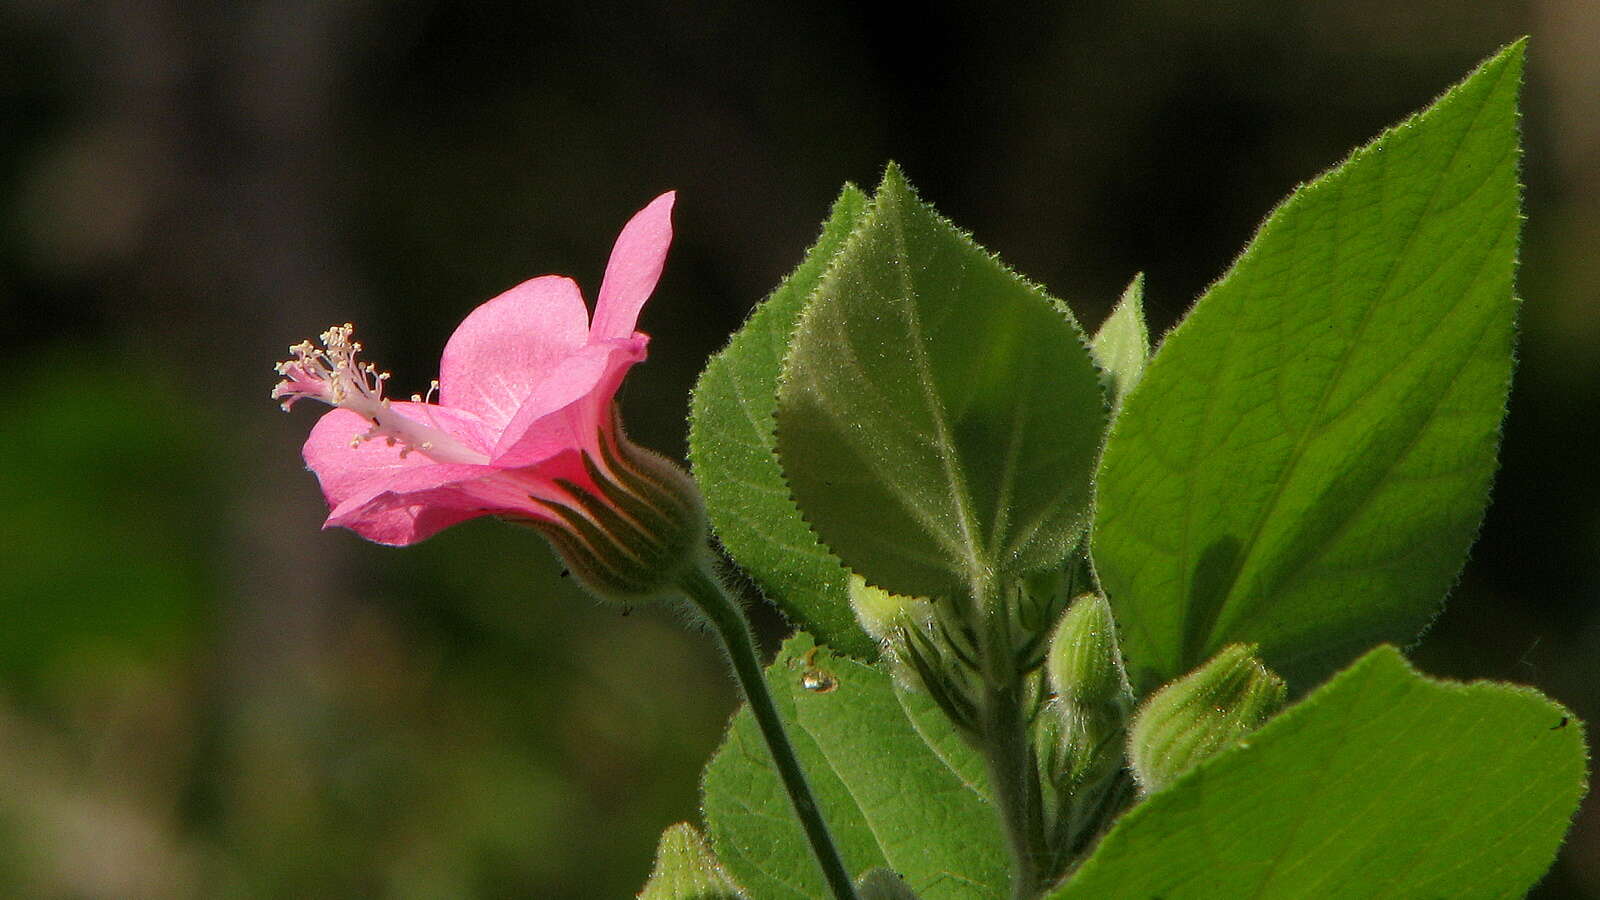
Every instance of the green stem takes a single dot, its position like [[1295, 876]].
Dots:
[[1014, 773], [725, 616], [1009, 755]]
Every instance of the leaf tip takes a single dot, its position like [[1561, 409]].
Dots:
[[894, 184]]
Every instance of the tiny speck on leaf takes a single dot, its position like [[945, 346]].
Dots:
[[818, 681], [1559, 725]]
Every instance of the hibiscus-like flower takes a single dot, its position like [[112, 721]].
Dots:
[[524, 427]]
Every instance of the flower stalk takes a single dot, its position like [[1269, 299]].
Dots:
[[728, 621]]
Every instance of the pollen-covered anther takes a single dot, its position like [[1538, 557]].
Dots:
[[433, 388], [333, 375], [330, 373]]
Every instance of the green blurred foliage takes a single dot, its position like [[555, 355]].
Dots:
[[104, 497]]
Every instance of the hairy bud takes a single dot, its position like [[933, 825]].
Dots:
[[1202, 714], [1092, 694]]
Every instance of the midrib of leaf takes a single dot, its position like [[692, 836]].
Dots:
[[1300, 563], [927, 520], [1008, 470], [1315, 426], [943, 444], [1433, 411]]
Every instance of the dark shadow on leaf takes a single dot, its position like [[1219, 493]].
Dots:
[[1213, 578]]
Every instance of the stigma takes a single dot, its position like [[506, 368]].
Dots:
[[332, 374]]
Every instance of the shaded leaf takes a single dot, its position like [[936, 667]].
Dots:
[[938, 416], [731, 447]]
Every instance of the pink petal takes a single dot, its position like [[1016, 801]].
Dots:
[[401, 526], [405, 515], [507, 346], [569, 410], [370, 467], [635, 266]]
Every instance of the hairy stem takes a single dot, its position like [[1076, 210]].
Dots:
[[728, 620], [1009, 755]]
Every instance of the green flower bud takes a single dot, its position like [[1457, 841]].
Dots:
[[1085, 662], [881, 884], [880, 612], [686, 869], [1092, 694], [1202, 714], [631, 526]]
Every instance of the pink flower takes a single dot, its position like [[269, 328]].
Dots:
[[524, 426]]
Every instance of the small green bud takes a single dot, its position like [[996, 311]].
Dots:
[[686, 869], [892, 620], [879, 612], [881, 884], [1085, 663], [1202, 714], [1092, 694]]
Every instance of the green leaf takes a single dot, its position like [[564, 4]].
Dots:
[[1308, 455], [731, 447], [686, 869], [938, 416], [1122, 345], [888, 798], [1381, 783]]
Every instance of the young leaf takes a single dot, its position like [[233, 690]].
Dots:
[[1122, 345], [938, 416], [1381, 783], [889, 799], [1309, 453], [731, 447]]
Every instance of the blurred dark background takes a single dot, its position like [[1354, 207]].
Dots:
[[203, 695]]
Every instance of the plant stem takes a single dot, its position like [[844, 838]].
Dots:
[[725, 616], [1014, 773], [1008, 753]]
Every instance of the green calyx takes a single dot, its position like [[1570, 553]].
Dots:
[[634, 529], [686, 869], [1202, 714]]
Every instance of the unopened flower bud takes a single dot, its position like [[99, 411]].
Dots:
[[882, 884], [1085, 662], [893, 620], [1092, 694], [1202, 714], [686, 869], [880, 612]]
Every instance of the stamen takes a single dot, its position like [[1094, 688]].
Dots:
[[332, 374]]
